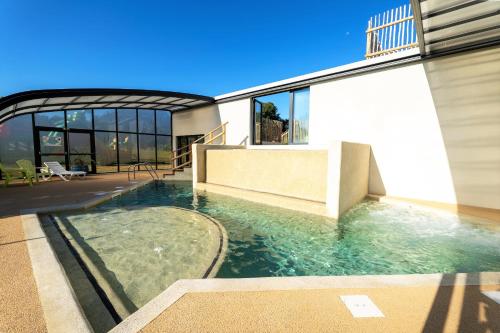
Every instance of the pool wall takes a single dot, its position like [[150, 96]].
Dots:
[[336, 177]]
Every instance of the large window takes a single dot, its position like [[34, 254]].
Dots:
[[91, 138], [282, 118], [106, 152], [105, 119], [16, 141], [80, 119], [127, 120], [127, 148], [147, 121], [50, 119]]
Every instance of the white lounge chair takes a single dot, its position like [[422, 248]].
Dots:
[[55, 168]]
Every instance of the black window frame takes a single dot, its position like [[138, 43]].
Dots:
[[93, 130], [291, 114]]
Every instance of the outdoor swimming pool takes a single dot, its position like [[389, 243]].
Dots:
[[129, 238]]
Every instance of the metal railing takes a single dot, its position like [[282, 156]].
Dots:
[[187, 152], [392, 31], [149, 168]]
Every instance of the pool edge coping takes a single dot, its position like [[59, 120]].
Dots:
[[61, 310], [154, 308]]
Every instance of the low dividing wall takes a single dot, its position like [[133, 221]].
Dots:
[[336, 177], [293, 173]]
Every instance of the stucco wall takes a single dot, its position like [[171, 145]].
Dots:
[[434, 127], [204, 119], [294, 173]]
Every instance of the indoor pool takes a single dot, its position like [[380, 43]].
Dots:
[[263, 241]]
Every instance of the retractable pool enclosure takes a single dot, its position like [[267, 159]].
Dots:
[[95, 130]]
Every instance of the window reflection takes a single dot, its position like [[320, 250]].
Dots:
[[81, 119], [16, 141], [106, 152], [127, 121], [50, 119], [274, 117], [127, 146], [104, 119], [163, 122]]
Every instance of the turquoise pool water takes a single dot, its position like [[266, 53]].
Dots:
[[372, 238]]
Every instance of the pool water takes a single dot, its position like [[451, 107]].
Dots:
[[263, 241]]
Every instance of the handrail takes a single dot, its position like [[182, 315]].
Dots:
[[203, 137], [188, 148], [149, 169]]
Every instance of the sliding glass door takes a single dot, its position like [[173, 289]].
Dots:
[[281, 118]]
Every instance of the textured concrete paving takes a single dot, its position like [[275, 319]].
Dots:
[[20, 308], [405, 309]]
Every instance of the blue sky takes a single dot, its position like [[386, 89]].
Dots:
[[204, 47]]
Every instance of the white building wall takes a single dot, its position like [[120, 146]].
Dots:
[[203, 120], [434, 126], [393, 111]]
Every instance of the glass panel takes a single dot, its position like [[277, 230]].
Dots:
[[301, 116], [127, 120], [105, 150], [80, 163], [127, 144], [258, 121], [50, 119], [104, 119], [16, 141], [147, 148], [79, 119], [275, 115], [54, 158], [147, 121], [79, 143], [164, 146], [51, 142], [163, 122]]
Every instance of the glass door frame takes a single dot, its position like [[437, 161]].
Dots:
[[66, 154], [38, 147], [92, 148]]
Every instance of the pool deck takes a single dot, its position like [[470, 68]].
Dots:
[[432, 308]]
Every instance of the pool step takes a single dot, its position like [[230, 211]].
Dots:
[[184, 174]]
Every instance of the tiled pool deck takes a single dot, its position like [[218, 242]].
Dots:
[[408, 308]]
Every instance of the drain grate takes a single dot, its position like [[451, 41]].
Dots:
[[361, 306]]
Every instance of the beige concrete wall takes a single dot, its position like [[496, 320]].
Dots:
[[294, 173], [434, 127], [200, 160], [348, 171]]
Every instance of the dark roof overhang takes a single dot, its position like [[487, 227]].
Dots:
[[91, 98], [449, 26]]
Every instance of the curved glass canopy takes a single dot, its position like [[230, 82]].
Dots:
[[70, 99]]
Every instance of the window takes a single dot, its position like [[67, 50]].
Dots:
[[105, 152], [163, 122], [300, 122], [104, 119], [147, 148], [147, 121], [16, 141], [75, 139], [164, 151], [275, 114], [50, 119], [127, 146], [127, 121], [81, 119]]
